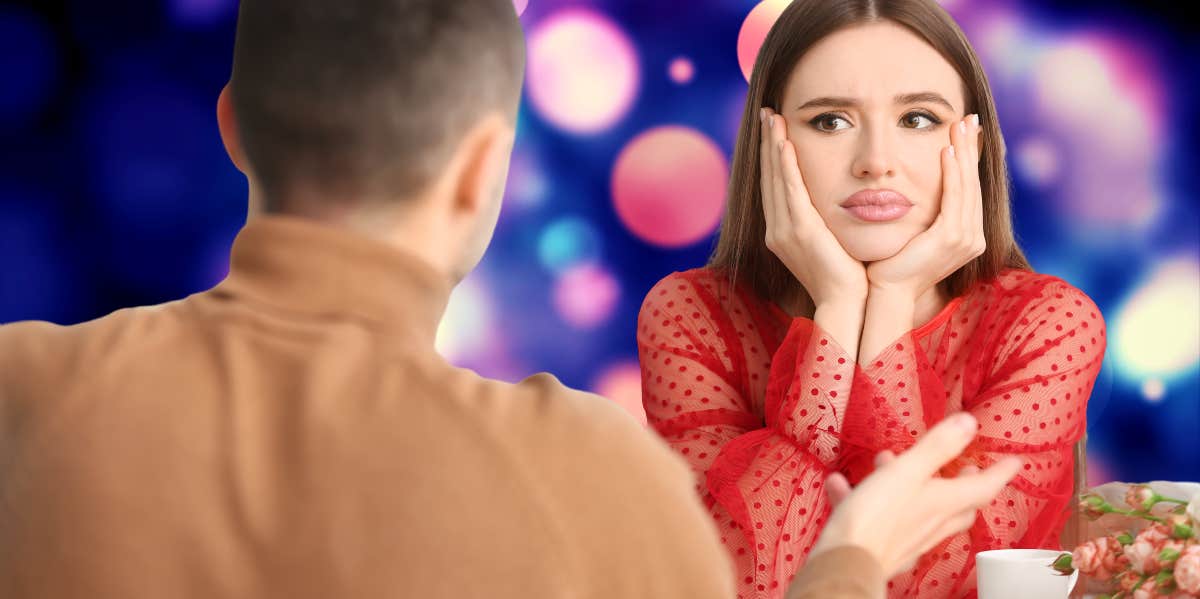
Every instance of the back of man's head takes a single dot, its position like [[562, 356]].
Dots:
[[367, 99]]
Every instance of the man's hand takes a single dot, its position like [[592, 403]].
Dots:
[[903, 509]]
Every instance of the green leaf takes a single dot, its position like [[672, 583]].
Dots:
[[1063, 564], [1182, 531]]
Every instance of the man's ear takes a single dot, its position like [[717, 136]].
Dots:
[[486, 150], [229, 130]]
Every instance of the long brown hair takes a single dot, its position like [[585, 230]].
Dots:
[[741, 250]]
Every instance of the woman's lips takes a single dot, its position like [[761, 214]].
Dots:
[[877, 205], [879, 213]]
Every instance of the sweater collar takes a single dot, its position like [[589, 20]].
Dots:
[[323, 271]]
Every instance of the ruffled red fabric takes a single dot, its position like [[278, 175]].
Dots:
[[763, 407]]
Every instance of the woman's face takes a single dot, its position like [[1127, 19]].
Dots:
[[870, 107]]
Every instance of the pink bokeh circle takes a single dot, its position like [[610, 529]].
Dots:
[[681, 70], [586, 295], [668, 186], [583, 71], [754, 31], [622, 383]]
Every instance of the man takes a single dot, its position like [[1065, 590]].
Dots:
[[293, 433]]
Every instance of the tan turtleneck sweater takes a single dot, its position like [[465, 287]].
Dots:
[[293, 433]]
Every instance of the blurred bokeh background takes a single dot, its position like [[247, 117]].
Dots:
[[115, 190]]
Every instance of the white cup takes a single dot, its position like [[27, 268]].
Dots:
[[1021, 574]]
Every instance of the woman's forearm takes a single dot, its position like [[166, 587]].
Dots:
[[843, 320], [888, 315]]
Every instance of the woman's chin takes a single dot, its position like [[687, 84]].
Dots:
[[874, 242], [874, 252]]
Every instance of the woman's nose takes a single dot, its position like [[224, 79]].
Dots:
[[874, 158]]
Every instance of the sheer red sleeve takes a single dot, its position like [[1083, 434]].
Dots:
[[1032, 361], [761, 442], [762, 421]]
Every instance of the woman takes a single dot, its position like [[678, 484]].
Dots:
[[865, 285]]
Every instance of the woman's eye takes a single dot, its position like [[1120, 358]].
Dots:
[[820, 122], [914, 119]]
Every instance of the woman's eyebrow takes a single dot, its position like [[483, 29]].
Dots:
[[900, 99]]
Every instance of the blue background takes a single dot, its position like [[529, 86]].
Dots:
[[115, 189]]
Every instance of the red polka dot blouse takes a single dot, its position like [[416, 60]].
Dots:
[[764, 406]]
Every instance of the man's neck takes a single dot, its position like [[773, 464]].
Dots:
[[408, 230]]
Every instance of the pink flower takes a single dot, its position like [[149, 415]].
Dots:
[[1100, 558], [1140, 497], [1152, 589], [1180, 526], [1127, 580], [1143, 552], [1148, 590], [1187, 570]]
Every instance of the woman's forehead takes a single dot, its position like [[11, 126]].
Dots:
[[874, 64]]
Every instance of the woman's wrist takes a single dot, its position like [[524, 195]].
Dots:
[[890, 292], [888, 315], [842, 319]]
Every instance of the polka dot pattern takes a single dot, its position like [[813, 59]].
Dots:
[[763, 407]]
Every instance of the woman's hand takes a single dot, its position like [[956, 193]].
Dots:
[[795, 231], [956, 236]]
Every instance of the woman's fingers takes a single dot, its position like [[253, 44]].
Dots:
[[777, 128], [971, 211], [785, 198], [800, 206], [765, 187], [951, 186], [974, 197], [952, 203]]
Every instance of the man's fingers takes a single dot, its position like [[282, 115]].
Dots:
[[942, 443], [993, 480], [971, 491], [837, 487], [884, 458], [950, 526]]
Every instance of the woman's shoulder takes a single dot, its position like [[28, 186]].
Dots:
[[704, 275], [1019, 282], [1027, 292], [704, 294], [706, 280]]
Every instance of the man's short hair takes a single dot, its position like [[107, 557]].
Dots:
[[367, 98]]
